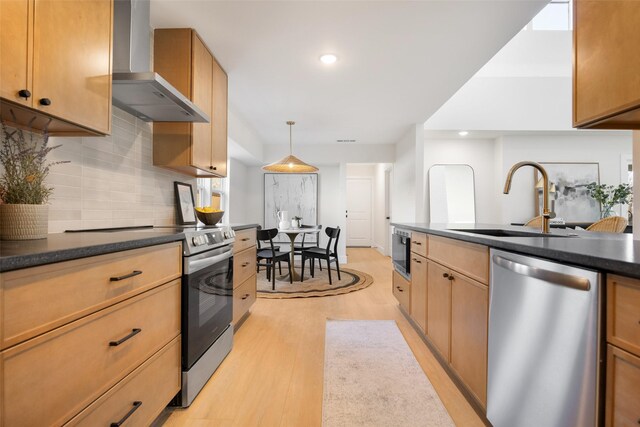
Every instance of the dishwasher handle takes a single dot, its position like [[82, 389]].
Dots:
[[561, 279]]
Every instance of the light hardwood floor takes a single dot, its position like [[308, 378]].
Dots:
[[274, 374]]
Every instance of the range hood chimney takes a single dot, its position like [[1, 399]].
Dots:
[[136, 89]]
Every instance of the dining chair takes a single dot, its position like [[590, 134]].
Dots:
[[299, 247], [612, 224], [271, 256], [326, 254]]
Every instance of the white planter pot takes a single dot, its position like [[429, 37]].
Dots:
[[23, 222]]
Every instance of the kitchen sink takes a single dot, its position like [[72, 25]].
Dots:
[[498, 232]]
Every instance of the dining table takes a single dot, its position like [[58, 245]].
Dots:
[[293, 233]]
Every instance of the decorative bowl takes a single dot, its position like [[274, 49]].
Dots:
[[209, 218]]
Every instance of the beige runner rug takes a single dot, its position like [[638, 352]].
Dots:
[[371, 378]]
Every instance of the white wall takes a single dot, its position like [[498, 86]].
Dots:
[[477, 153], [408, 177], [237, 175], [111, 181], [588, 146]]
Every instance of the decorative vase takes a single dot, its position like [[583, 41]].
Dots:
[[295, 223], [606, 212], [23, 222]]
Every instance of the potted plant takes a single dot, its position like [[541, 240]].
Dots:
[[23, 191], [295, 222], [608, 196]]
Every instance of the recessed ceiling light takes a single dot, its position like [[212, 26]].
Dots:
[[328, 58], [463, 133]]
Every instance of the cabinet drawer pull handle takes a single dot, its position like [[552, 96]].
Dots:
[[133, 333], [126, 276], [136, 405], [399, 288], [45, 101], [244, 264], [24, 93], [245, 239], [445, 275], [417, 260], [213, 168], [416, 243], [451, 277], [245, 296]]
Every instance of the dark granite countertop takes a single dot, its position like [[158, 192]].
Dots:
[[67, 246], [607, 252]]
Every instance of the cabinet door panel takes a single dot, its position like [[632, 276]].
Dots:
[[15, 48], [439, 307], [469, 316], [623, 388], [606, 60], [419, 290], [201, 96], [72, 61], [219, 121], [402, 291]]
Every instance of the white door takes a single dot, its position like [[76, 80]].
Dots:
[[359, 203]]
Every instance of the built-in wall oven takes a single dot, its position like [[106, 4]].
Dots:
[[401, 251], [207, 307]]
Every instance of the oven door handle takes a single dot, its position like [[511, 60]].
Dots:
[[192, 266]]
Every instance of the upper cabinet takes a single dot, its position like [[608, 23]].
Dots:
[[55, 65], [606, 82], [196, 149]]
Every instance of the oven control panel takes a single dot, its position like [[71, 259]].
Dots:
[[200, 240]]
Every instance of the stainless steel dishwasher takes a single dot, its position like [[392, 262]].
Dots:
[[543, 343]]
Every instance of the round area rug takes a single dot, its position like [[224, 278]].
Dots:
[[352, 280]]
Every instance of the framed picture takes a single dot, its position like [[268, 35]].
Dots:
[[185, 206], [568, 196], [295, 193]]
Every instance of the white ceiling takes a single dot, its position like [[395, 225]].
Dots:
[[398, 61]]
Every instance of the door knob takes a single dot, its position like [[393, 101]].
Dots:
[[45, 101], [24, 93]]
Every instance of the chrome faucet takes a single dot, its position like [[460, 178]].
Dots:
[[546, 213]]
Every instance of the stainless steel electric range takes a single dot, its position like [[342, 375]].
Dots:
[[207, 306]]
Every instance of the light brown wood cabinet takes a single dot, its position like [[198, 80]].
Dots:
[[92, 339], [469, 323], [402, 291], [606, 83], [449, 297], [55, 65], [623, 388], [419, 290], [623, 352], [196, 149], [439, 307], [245, 279]]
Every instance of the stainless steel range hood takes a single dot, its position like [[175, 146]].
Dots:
[[137, 90]]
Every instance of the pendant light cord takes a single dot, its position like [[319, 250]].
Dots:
[[290, 140]]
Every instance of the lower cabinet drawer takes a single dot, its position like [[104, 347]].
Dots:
[[51, 378], [623, 388], [243, 298], [139, 398], [402, 291], [244, 266]]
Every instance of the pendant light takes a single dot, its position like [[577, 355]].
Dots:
[[290, 164]]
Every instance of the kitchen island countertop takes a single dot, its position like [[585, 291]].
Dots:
[[59, 247], [616, 253]]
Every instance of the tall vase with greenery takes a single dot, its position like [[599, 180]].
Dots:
[[609, 196], [23, 191]]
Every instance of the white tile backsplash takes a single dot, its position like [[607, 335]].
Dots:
[[111, 181]]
